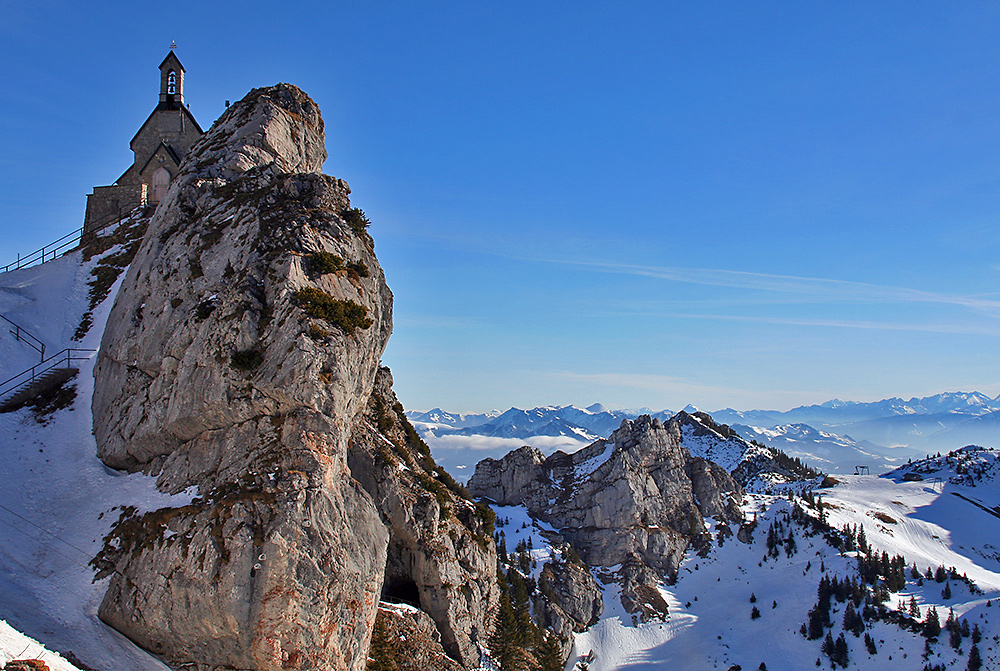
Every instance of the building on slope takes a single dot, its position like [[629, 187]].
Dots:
[[160, 146]]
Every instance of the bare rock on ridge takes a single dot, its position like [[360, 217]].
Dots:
[[240, 361], [637, 497]]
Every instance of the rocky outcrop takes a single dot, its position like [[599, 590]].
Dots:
[[630, 494], [637, 497], [410, 641], [569, 600], [240, 359], [753, 465]]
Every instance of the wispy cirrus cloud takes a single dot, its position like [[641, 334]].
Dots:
[[959, 329], [818, 289]]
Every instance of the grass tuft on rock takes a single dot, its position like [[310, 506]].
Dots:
[[324, 263], [345, 315]]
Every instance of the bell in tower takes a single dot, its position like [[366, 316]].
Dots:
[[171, 81]]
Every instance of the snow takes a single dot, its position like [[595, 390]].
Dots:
[[517, 525], [586, 468], [932, 527], [709, 624], [15, 645], [58, 500]]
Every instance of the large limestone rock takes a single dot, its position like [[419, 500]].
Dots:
[[234, 362]]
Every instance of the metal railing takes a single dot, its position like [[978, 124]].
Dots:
[[26, 338], [47, 253], [51, 251], [63, 359]]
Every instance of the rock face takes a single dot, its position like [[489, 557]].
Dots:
[[241, 358], [637, 497], [413, 643], [569, 600], [441, 555]]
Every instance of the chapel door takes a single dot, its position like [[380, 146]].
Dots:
[[161, 180]]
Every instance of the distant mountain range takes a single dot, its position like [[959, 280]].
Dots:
[[835, 436]]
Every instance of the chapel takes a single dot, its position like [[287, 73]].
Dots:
[[159, 148]]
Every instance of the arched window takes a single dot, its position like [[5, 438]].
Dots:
[[171, 82], [161, 180]]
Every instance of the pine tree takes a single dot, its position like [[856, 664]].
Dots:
[[975, 661], [951, 624], [548, 654], [932, 625], [914, 608], [852, 621], [976, 634], [870, 644], [815, 624], [840, 652], [754, 614], [946, 592], [505, 641], [827, 647]]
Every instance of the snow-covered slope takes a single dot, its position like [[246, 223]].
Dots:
[[711, 623], [15, 645], [754, 465], [58, 500], [829, 452]]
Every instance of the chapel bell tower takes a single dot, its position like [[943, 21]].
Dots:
[[171, 80]]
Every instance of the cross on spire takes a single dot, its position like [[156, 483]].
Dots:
[[173, 45]]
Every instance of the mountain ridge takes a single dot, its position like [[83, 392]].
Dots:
[[838, 436]]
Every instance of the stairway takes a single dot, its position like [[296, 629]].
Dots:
[[41, 384], [46, 376]]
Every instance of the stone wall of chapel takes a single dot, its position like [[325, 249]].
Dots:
[[108, 203], [173, 127]]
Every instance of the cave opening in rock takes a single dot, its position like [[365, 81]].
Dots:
[[401, 590]]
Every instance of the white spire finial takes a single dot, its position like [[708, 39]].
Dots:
[[173, 45]]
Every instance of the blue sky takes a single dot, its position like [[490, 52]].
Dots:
[[641, 204]]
